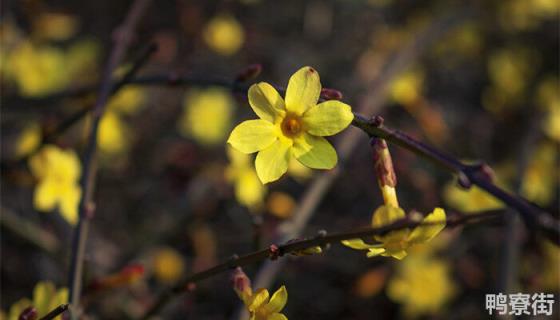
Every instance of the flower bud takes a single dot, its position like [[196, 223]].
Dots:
[[249, 73], [241, 283], [384, 171], [29, 313], [331, 94]]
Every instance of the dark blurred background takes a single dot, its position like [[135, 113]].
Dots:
[[476, 79]]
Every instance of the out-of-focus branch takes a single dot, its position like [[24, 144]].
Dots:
[[29, 231], [123, 38], [321, 240], [55, 312]]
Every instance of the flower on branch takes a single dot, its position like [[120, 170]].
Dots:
[[394, 243], [259, 303], [57, 172], [291, 127], [45, 299]]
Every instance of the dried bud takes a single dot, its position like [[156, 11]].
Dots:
[[331, 94], [29, 313], [251, 72], [241, 283]]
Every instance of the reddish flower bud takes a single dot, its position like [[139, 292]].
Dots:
[[331, 94], [29, 313], [383, 163], [251, 72]]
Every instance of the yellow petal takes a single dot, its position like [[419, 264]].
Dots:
[[43, 292], [314, 152], [266, 102], [397, 254], [328, 118], [426, 233], [277, 316], [358, 244], [278, 301], [46, 195], [272, 162], [259, 298], [253, 135], [17, 308], [385, 215], [372, 252], [303, 90], [69, 202]]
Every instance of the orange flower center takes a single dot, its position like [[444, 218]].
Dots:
[[291, 126]]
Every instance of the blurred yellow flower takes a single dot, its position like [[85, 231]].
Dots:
[[422, 285], [295, 127], [168, 265], [280, 204], [127, 101], [113, 137], [407, 88], [298, 171], [473, 199], [548, 98], [396, 243], [57, 172], [55, 26], [206, 115], [249, 191], [523, 15], [45, 299], [28, 140], [540, 181], [37, 70], [510, 71], [261, 307], [224, 34]]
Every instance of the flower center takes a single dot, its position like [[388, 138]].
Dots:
[[291, 126]]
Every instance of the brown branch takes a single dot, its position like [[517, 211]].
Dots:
[[478, 174], [321, 240], [56, 312], [123, 38]]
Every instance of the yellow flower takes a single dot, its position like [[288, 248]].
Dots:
[[548, 98], [261, 307], [422, 285], [294, 127], [113, 137], [224, 35], [406, 89], [473, 199], [45, 299], [206, 115], [127, 101], [540, 179], [37, 70], [168, 265], [57, 172], [249, 191], [28, 140], [395, 243], [55, 26]]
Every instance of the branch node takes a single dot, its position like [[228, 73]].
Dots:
[[232, 263], [376, 121], [274, 252]]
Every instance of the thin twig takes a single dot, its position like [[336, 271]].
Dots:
[[123, 39], [276, 251], [56, 312]]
